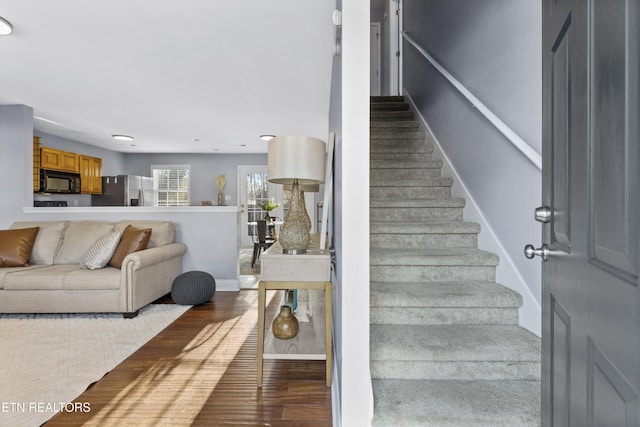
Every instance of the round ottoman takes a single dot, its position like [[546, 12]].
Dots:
[[193, 288]]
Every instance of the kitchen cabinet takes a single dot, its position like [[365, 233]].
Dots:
[[90, 175], [36, 163], [53, 159]]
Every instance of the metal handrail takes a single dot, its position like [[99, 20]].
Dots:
[[505, 130]]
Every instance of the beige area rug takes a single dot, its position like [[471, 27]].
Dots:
[[47, 360]]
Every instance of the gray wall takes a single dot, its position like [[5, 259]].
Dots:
[[16, 154], [204, 169], [493, 47]]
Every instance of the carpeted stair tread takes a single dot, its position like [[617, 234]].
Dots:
[[446, 202], [389, 106], [421, 147], [417, 182], [386, 98], [400, 125], [432, 257], [439, 227], [396, 134], [409, 157], [377, 116], [402, 164], [429, 403], [488, 343], [443, 294]]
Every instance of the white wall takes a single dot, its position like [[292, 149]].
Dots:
[[493, 48], [349, 118]]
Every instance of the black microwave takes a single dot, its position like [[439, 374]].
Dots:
[[59, 182]]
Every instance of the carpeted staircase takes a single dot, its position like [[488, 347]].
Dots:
[[446, 348]]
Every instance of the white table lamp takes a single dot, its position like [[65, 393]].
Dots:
[[296, 160]]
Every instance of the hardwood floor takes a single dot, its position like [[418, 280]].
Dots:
[[201, 371]]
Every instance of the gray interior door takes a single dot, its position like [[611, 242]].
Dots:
[[591, 297]]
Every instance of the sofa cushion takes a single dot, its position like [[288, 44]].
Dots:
[[63, 277], [133, 239], [99, 254], [6, 271], [16, 246], [162, 232], [78, 238], [48, 240]]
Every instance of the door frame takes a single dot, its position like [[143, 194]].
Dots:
[[378, 43]]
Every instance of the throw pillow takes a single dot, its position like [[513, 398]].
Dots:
[[99, 254], [16, 246], [133, 240]]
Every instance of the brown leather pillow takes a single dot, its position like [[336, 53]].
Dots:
[[133, 240], [16, 246]]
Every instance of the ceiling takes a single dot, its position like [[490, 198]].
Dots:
[[183, 76]]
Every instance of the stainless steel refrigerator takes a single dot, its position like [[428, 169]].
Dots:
[[125, 190]]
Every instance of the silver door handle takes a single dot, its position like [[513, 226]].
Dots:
[[543, 214], [530, 252]]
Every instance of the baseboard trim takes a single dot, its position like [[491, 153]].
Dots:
[[227, 285]]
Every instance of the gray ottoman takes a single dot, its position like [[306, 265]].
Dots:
[[193, 288]]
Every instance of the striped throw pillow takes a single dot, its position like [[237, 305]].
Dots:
[[99, 254]]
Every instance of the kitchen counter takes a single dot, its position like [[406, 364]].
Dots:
[[130, 209]]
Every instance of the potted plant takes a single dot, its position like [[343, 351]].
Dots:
[[267, 206]]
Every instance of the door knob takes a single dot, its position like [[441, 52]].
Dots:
[[543, 214], [530, 251]]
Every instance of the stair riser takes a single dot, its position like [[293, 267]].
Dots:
[[396, 135], [415, 214], [421, 241], [409, 149], [378, 116], [455, 371], [417, 273], [398, 143], [403, 157], [407, 173], [443, 315], [398, 125], [409, 192], [397, 164], [389, 106]]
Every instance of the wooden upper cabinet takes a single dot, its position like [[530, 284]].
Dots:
[[36, 163], [59, 160], [90, 175]]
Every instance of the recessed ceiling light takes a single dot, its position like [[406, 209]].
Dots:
[[5, 27], [266, 137], [122, 137]]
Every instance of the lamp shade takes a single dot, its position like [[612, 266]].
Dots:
[[296, 157], [307, 188]]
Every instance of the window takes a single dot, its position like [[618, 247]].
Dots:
[[171, 184]]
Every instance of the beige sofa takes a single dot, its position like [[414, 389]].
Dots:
[[54, 282]]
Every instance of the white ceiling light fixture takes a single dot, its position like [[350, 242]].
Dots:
[[5, 27], [266, 137], [122, 137]]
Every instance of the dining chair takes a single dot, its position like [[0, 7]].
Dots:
[[261, 241]]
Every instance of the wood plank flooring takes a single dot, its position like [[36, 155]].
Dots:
[[201, 371]]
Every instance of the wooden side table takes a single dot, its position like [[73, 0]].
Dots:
[[311, 271]]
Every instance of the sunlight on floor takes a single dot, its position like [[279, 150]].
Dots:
[[194, 372]]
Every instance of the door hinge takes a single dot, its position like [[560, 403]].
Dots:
[[398, 12], [398, 53]]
